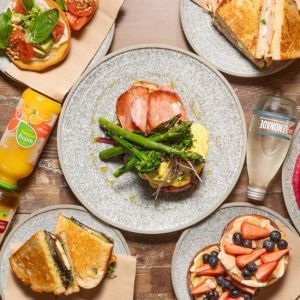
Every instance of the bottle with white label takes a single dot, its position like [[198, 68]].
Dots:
[[269, 138]]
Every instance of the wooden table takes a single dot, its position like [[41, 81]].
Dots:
[[145, 21]]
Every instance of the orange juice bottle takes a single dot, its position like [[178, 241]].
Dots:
[[25, 136]]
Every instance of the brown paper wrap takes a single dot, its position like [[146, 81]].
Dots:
[[57, 81], [120, 287]]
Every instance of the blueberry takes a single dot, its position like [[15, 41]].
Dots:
[[214, 253], [246, 274], [235, 293], [212, 295], [247, 243], [205, 258], [237, 238], [226, 285], [220, 280], [269, 245], [275, 236], [213, 261], [252, 267], [282, 244]]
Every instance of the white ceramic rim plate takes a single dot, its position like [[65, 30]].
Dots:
[[286, 180], [243, 151], [229, 205], [53, 208], [197, 48]]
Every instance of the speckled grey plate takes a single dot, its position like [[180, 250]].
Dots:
[[103, 49], [208, 42], [128, 203], [287, 176], [206, 233], [46, 219]]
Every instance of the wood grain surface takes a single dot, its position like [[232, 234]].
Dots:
[[139, 22]]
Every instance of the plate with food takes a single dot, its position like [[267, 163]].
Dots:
[[36, 34], [151, 150], [237, 36], [291, 180], [240, 252], [55, 240]]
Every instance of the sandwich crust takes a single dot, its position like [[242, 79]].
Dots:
[[55, 56], [32, 261], [228, 260], [90, 254]]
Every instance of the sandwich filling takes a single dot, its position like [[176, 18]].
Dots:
[[60, 258]]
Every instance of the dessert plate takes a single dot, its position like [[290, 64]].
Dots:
[[127, 202], [287, 176], [103, 49], [208, 42], [209, 232], [46, 219]]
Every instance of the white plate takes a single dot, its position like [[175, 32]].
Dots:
[[208, 42], [128, 203], [45, 219], [287, 176]]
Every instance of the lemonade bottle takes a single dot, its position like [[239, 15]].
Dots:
[[25, 136]]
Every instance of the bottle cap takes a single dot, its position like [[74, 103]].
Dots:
[[256, 194], [8, 186]]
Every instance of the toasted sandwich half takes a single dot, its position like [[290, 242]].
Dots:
[[42, 263], [90, 251], [239, 21]]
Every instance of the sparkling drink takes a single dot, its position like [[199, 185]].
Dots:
[[270, 132]]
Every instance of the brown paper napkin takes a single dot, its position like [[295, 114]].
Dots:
[[56, 82], [288, 287], [120, 287]]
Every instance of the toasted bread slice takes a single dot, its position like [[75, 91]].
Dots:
[[286, 39], [230, 261], [90, 251], [56, 54], [41, 265], [239, 21]]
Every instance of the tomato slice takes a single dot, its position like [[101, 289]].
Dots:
[[19, 46], [82, 8], [76, 23], [19, 8], [58, 31]]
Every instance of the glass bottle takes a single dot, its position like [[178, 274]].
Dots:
[[269, 138]]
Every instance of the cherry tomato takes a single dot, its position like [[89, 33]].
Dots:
[[19, 8], [76, 23], [19, 46], [58, 31], [82, 8]]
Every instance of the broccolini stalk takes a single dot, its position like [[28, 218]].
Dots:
[[147, 161], [147, 143], [180, 131]]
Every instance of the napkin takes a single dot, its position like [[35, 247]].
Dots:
[[120, 287], [287, 287], [202, 3], [57, 81]]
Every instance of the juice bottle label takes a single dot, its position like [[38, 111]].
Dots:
[[274, 124], [4, 220]]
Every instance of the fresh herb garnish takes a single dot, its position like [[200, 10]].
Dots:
[[62, 4], [5, 28], [41, 28], [28, 5], [264, 21], [111, 271]]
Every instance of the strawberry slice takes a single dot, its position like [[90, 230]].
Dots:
[[243, 260], [265, 271], [237, 250], [203, 287], [207, 270], [231, 298], [253, 232], [296, 181], [224, 296], [273, 256]]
